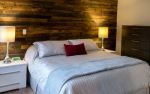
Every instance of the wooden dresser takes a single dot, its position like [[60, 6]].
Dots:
[[136, 42]]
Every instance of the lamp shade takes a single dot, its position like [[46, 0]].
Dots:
[[7, 33], [103, 32]]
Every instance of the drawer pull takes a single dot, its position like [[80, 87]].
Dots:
[[10, 73], [135, 28], [135, 34], [134, 49], [9, 85], [134, 41]]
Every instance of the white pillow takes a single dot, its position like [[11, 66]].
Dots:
[[31, 54], [49, 48], [89, 43]]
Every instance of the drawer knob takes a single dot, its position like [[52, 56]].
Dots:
[[134, 41], [135, 34], [134, 49]]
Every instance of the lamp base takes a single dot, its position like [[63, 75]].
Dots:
[[103, 45], [103, 49], [7, 61]]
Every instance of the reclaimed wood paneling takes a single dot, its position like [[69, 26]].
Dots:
[[57, 20]]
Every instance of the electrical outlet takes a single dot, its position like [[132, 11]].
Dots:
[[24, 32]]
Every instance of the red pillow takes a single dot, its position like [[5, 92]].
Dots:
[[70, 50], [75, 49], [81, 49]]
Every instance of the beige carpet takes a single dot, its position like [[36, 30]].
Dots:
[[27, 90]]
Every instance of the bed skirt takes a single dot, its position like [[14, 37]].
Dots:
[[33, 83]]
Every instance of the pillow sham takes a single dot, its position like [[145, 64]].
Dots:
[[75, 49], [89, 44], [81, 49], [31, 54], [49, 48], [70, 50]]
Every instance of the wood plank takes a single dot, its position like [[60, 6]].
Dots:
[[57, 20], [25, 46]]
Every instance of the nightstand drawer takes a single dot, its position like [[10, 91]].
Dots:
[[5, 70], [10, 78], [9, 87]]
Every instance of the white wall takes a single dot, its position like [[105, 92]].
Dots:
[[131, 12]]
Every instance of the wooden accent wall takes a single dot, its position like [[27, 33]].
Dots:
[[57, 20]]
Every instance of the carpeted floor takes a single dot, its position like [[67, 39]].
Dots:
[[27, 90]]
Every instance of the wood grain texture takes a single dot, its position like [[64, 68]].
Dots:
[[57, 20]]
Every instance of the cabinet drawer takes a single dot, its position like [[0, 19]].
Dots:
[[142, 45], [5, 70], [10, 78], [137, 53], [133, 36], [136, 30], [9, 87]]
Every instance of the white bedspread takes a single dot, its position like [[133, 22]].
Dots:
[[126, 80]]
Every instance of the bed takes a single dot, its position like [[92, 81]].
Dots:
[[134, 79]]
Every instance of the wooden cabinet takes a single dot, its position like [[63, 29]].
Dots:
[[136, 42]]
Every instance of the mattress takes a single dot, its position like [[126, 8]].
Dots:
[[128, 80]]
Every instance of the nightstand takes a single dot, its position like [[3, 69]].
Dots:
[[110, 51], [13, 75]]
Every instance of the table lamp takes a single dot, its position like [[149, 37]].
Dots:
[[103, 33], [7, 34]]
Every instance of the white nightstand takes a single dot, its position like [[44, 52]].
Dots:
[[110, 51], [13, 75]]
